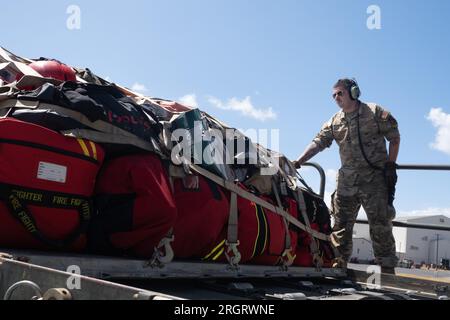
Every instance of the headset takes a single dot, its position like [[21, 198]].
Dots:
[[354, 90]]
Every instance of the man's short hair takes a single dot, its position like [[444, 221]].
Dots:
[[345, 82]]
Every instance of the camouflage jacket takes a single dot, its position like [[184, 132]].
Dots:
[[376, 126]]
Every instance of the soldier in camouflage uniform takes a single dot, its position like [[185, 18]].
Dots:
[[367, 175]]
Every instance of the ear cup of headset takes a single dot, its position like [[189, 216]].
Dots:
[[355, 93], [354, 90]]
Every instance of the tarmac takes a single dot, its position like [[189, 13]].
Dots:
[[434, 275]]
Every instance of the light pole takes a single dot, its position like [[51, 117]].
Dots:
[[437, 249]]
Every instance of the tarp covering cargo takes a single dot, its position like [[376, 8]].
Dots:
[[207, 194]]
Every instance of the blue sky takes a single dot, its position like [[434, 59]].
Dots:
[[268, 64]]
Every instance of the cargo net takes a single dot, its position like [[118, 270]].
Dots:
[[166, 180]]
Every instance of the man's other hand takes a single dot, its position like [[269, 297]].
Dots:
[[390, 171], [390, 174]]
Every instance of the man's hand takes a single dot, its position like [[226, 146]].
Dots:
[[296, 164], [310, 152], [390, 174]]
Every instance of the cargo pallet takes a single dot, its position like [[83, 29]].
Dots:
[[41, 275], [30, 275]]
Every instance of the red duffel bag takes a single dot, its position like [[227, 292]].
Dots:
[[203, 209], [261, 234], [304, 256], [46, 181], [135, 206], [276, 244], [319, 216]]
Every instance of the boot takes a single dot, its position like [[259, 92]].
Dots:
[[339, 263], [388, 270]]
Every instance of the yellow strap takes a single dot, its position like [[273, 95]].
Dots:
[[257, 235], [94, 149], [218, 255], [266, 236], [259, 231], [83, 147], [214, 250]]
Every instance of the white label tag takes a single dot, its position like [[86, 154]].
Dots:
[[52, 172]]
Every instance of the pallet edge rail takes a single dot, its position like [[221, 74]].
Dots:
[[17, 278]]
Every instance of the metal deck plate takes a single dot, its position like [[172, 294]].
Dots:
[[102, 267]]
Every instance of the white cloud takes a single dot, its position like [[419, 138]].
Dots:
[[441, 121], [139, 88], [330, 185], [189, 100], [327, 198], [362, 215], [425, 212], [331, 178], [245, 107]]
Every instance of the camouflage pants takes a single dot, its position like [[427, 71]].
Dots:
[[371, 193]]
